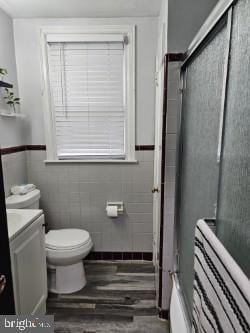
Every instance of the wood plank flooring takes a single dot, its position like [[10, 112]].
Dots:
[[118, 298]]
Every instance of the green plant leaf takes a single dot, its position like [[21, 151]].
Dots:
[[3, 71]]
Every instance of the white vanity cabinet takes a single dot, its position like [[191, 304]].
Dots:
[[28, 261]]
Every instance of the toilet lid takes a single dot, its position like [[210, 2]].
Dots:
[[66, 238]]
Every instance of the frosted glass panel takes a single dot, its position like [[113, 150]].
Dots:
[[199, 179], [233, 220]]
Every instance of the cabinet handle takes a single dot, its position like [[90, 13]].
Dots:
[[2, 283], [155, 189]]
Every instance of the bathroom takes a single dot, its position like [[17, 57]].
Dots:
[[118, 132]]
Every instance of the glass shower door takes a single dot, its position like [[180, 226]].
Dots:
[[215, 127], [233, 218], [201, 105]]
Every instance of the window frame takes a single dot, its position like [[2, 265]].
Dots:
[[128, 31]]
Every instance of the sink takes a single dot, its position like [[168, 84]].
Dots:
[[13, 217], [14, 220], [18, 219]]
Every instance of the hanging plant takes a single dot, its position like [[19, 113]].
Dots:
[[10, 99], [3, 72]]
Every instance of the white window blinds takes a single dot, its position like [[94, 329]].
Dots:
[[87, 83]]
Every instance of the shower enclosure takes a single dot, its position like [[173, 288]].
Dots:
[[214, 148]]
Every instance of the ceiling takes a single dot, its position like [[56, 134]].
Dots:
[[80, 8]]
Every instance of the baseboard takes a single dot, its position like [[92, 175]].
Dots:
[[147, 256], [164, 314]]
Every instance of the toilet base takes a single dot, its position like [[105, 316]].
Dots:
[[66, 279]]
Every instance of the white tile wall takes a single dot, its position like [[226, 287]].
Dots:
[[170, 178], [75, 195], [171, 142]]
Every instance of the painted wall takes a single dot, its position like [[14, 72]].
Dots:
[[162, 42], [14, 170], [75, 195], [12, 131], [184, 20], [27, 44]]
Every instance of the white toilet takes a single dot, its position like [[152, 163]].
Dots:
[[65, 249]]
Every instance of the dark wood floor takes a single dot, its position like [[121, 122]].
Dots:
[[118, 298]]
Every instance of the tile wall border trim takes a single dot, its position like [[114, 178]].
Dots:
[[35, 147], [144, 147], [17, 149], [12, 150], [172, 57]]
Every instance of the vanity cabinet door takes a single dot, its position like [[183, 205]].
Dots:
[[28, 261]]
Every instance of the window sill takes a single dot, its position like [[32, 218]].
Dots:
[[91, 161]]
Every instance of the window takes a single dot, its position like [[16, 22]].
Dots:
[[90, 94]]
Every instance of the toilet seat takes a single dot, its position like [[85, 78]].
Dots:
[[67, 246], [67, 239]]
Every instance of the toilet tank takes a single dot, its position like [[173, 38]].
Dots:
[[24, 201]]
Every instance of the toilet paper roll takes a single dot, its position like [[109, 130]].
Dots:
[[112, 211]]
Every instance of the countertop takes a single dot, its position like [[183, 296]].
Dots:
[[20, 219]]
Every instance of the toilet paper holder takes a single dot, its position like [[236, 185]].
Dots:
[[119, 204]]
